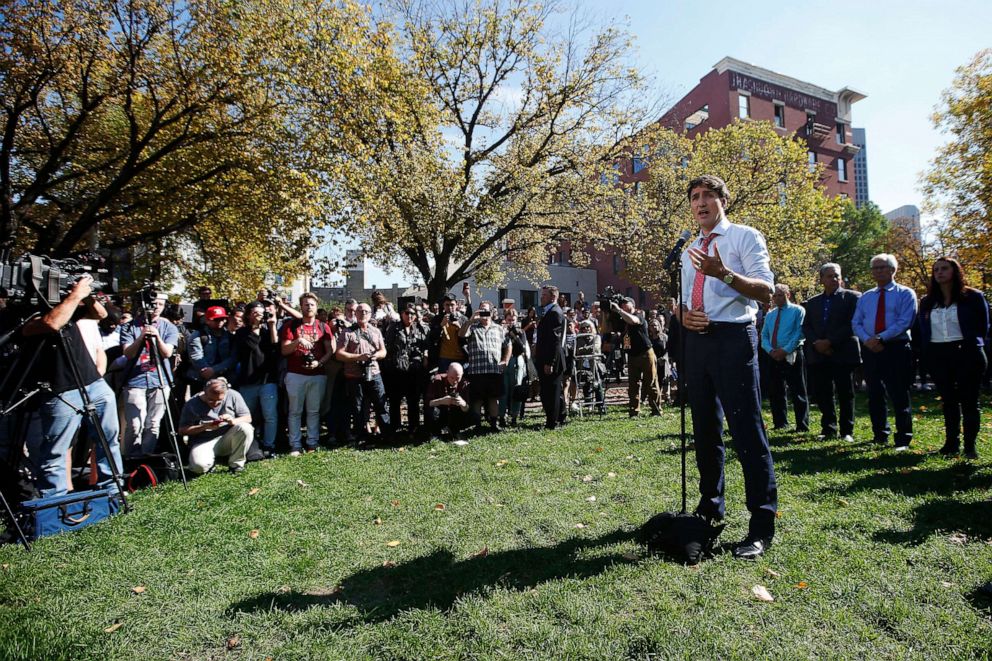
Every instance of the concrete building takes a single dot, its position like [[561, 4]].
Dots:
[[908, 217], [738, 90], [860, 168]]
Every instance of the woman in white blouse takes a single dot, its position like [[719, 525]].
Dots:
[[954, 326]]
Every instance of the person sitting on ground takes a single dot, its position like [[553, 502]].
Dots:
[[447, 402], [218, 424]]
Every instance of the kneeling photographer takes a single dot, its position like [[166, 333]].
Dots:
[[59, 373], [642, 368]]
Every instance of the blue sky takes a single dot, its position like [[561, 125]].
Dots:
[[901, 54]]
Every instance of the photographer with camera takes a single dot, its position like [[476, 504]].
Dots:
[[405, 373], [307, 345], [642, 365], [145, 396], [360, 349], [60, 410], [446, 347], [515, 374], [258, 351], [218, 423], [488, 349]]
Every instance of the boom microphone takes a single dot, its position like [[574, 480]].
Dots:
[[677, 250]]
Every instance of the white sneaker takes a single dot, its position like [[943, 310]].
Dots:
[[294, 453], [460, 443], [900, 448], [848, 438]]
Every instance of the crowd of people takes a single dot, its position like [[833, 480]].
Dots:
[[235, 379]]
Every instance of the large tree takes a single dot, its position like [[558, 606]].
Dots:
[[958, 185], [511, 149], [177, 126], [860, 234], [772, 189]]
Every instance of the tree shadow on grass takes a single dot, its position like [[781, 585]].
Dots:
[[944, 516], [439, 579]]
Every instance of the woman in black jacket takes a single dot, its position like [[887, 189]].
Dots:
[[257, 347], [954, 326]]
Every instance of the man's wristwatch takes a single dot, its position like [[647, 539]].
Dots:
[[729, 277]]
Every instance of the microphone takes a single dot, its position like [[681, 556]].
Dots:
[[677, 250]]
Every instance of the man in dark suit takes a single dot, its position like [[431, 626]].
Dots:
[[549, 357], [832, 351]]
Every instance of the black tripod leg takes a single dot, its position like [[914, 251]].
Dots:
[[163, 377], [13, 521]]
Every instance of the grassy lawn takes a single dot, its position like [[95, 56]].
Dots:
[[499, 550]]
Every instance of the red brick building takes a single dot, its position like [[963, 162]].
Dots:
[[738, 90]]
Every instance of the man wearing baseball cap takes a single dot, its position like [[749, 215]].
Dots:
[[211, 350]]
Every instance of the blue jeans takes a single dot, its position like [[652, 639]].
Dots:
[[266, 397], [364, 395], [60, 419]]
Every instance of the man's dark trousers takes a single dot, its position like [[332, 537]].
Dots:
[[781, 373], [890, 372], [722, 378], [824, 377], [552, 398]]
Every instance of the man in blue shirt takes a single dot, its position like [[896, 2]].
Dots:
[[882, 320], [725, 274], [782, 340]]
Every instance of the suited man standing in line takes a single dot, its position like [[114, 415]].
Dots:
[[549, 358], [832, 352]]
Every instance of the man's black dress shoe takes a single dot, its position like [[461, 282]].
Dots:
[[752, 547]]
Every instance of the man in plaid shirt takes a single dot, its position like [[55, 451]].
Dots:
[[488, 349]]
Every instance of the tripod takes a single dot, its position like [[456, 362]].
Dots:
[[165, 377], [88, 409]]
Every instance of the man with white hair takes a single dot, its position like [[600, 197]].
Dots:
[[882, 320], [218, 423]]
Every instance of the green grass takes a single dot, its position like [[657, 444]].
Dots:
[[867, 534]]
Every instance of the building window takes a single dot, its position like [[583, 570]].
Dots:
[[841, 137], [616, 263], [779, 116], [811, 157], [528, 299], [810, 120], [743, 106], [503, 293], [638, 164], [841, 169]]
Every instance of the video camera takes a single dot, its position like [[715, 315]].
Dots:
[[34, 279], [144, 297], [610, 320]]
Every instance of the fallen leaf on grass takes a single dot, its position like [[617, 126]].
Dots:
[[376, 521], [587, 478], [393, 544], [611, 474], [323, 592], [254, 491], [772, 573], [778, 515], [253, 534], [591, 499], [138, 589], [502, 462], [394, 503], [481, 553], [5, 566], [301, 483], [580, 526], [234, 642], [113, 627], [598, 450], [439, 507], [947, 584], [958, 538], [801, 585], [389, 564], [761, 593], [843, 502], [923, 409]]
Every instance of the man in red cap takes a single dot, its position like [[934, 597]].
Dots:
[[211, 350]]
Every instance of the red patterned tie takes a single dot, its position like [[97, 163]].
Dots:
[[700, 280], [880, 312]]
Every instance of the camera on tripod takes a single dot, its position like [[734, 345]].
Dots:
[[611, 320], [39, 280], [144, 297]]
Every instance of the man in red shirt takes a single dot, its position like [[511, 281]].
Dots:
[[307, 344]]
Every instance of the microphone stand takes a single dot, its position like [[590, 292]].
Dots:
[[675, 276]]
